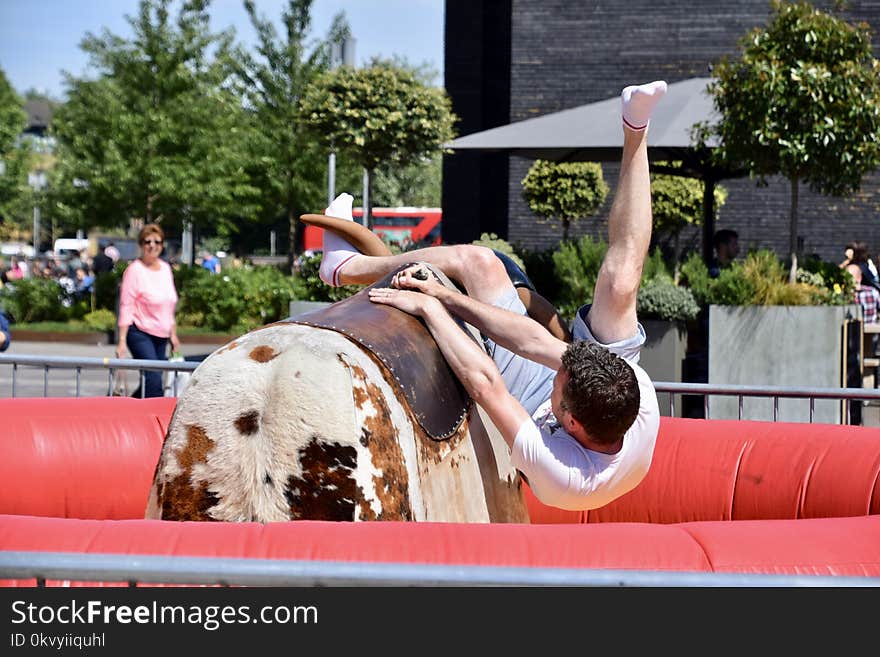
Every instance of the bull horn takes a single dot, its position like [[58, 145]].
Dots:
[[360, 237]]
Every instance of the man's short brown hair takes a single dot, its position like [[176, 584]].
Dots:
[[602, 392]]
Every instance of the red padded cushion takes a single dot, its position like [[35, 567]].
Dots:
[[826, 546], [617, 546], [91, 457], [818, 546], [742, 470]]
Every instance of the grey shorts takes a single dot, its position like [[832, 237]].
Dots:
[[627, 349]]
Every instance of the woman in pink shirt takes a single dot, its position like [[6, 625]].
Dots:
[[147, 300]]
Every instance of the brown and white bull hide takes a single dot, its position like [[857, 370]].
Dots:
[[294, 422]]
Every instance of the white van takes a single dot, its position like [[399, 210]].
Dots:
[[69, 246]]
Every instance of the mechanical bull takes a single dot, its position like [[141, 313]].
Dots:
[[347, 413]]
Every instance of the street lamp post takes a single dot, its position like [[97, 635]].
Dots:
[[341, 54]]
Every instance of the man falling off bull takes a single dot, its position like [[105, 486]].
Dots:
[[580, 418]]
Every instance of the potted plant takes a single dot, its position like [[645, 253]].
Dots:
[[664, 310], [764, 330]]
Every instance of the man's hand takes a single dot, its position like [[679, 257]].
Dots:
[[417, 277], [408, 301]]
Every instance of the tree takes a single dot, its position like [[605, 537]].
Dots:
[[564, 191], [803, 101], [288, 175], [417, 184], [381, 115], [676, 203], [13, 158], [160, 133]]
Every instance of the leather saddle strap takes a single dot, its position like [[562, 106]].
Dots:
[[403, 344]]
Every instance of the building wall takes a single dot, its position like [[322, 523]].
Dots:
[[477, 51], [565, 53]]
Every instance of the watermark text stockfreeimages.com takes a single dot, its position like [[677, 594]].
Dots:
[[210, 617]]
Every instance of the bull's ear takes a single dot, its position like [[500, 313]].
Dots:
[[360, 237]]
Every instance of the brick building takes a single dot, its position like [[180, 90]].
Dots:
[[509, 60]]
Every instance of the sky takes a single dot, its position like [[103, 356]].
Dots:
[[40, 38]]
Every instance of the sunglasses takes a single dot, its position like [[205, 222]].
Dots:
[[151, 242]]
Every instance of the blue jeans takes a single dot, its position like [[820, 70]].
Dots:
[[144, 346]]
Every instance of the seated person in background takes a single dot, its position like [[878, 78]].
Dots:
[[868, 298], [210, 262], [725, 242], [84, 283], [860, 258]]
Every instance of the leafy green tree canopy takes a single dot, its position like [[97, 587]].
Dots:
[[12, 116], [13, 121], [802, 100], [160, 133], [676, 203], [381, 115], [564, 191], [276, 77]]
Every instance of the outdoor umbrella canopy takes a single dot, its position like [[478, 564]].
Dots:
[[593, 133], [590, 133]]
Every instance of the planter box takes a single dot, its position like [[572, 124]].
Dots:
[[792, 346], [663, 354]]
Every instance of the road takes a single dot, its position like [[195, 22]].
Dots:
[[30, 381]]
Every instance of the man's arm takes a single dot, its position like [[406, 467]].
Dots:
[[518, 333], [476, 371]]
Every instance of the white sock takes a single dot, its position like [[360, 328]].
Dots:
[[638, 102], [336, 251]]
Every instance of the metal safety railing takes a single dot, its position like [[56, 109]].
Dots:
[[111, 366], [774, 393], [673, 390], [151, 569]]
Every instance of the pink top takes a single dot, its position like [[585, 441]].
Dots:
[[147, 298]]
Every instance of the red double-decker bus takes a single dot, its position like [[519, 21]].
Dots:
[[403, 226]]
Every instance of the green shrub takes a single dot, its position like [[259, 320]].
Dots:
[[577, 266], [662, 299], [238, 300], [695, 276], [309, 286], [100, 320], [564, 191], [34, 300], [655, 268], [107, 286], [761, 279], [837, 281]]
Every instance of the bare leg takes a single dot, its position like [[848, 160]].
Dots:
[[613, 315], [475, 267]]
